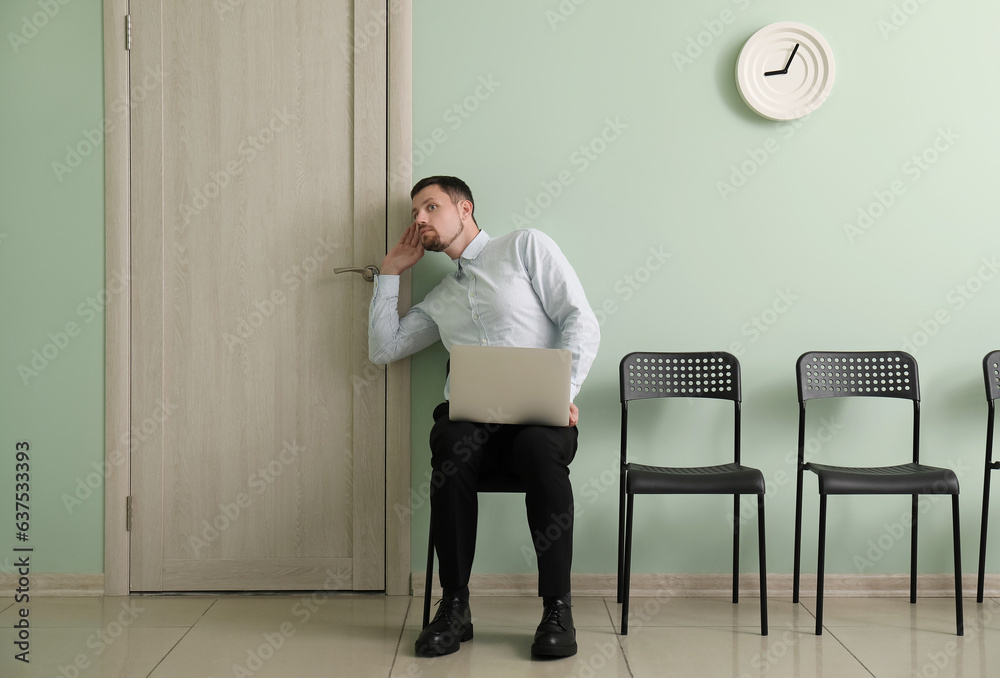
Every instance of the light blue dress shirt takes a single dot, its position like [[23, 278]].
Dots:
[[516, 290]]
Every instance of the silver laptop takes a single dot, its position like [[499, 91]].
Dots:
[[504, 385]]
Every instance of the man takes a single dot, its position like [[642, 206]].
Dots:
[[516, 290]]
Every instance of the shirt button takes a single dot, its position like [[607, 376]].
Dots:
[[476, 316], [483, 342]]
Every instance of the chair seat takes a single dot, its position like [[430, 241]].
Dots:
[[901, 479], [723, 479]]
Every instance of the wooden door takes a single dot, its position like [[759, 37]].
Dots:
[[258, 165]]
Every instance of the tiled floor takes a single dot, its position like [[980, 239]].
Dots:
[[295, 636]]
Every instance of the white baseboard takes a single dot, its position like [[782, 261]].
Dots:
[[714, 585], [43, 584]]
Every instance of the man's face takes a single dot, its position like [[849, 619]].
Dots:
[[437, 217]]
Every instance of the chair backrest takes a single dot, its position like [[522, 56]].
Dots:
[[680, 375], [645, 375], [833, 374], [839, 374], [991, 373]]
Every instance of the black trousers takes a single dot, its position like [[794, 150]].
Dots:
[[539, 456]]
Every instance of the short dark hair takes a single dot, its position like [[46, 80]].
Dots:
[[456, 189]]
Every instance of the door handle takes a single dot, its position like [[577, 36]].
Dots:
[[368, 272]]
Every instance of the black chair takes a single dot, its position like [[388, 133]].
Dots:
[[486, 483], [685, 375], [991, 374], [886, 374]]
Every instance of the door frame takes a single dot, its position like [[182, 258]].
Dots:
[[393, 22]]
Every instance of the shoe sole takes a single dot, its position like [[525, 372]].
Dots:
[[551, 651], [439, 650]]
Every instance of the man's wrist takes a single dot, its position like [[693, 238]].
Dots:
[[386, 286]]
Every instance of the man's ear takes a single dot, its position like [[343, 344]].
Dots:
[[465, 208]]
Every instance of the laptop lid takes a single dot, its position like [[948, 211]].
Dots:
[[506, 385]]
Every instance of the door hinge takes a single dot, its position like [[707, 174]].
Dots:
[[128, 513], [128, 31]]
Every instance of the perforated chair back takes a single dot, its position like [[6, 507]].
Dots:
[[647, 375], [680, 375], [873, 374], [885, 374], [991, 374]]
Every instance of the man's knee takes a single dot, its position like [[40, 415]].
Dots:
[[454, 442]]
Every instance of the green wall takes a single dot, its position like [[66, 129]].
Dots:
[[765, 268], [505, 95], [52, 276]]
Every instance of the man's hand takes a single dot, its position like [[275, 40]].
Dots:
[[574, 414], [405, 253]]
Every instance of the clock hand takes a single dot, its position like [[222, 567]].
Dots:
[[784, 71], [792, 56]]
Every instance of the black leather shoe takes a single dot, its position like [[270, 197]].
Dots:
[[451, 626], [556, 635]]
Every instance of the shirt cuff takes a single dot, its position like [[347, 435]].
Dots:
[[386, 285]]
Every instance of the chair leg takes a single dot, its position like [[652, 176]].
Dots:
[[736, 548], [958, 566], [627, 568], [429, 578], [982, 533], [820, 565], [797, 564], [761, 553], [621, 534], [913, 549]]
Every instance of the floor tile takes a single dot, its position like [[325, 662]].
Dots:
[[706, 652], [927, 614], [720, 612], [504, 651], [361, 635], [985, 615], [109, 611], [282, 649], [88, 652], [331, 609], [908, 653]]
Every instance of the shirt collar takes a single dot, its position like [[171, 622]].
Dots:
[[474, 248]]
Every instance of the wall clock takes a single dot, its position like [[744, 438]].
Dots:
[[785, 71]]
